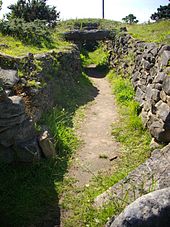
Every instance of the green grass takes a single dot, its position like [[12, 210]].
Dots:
[[18, 48], [154, 32], [81, 23], [129, 119], [99, 57], [134, 140], [29, 193]]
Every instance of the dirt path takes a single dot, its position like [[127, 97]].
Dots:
[[98, 146]]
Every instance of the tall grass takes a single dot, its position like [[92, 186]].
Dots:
[[28, 192], [153, 32]]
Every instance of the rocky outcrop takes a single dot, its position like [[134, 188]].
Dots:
[[148, 65], [151, 210]]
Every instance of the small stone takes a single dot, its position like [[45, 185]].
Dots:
[[157, 129], [154, 51], [146, 65], [46, 145], [163, 111], [159, 78], [163, 96], [8, 77], [155, 95], [140, 95], [158, 86], [165, 58], [166, 85], [168, 100], [164, 48], [149, 92], [154, 144]]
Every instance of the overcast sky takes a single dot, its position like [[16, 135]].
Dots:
[[114, 9]]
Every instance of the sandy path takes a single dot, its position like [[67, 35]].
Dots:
[[95, 131]]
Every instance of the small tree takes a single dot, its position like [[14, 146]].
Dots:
[[163, 12], [31, 10], [130, 19]]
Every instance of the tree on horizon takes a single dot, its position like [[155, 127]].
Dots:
[[130, 19], [163, 12]]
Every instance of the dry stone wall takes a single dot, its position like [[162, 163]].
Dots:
[[148, 65], [30, 86]]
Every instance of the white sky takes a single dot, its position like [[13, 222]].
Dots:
[[114, 9]]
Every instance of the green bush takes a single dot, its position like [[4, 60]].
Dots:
[[31, 10], [34, 33]]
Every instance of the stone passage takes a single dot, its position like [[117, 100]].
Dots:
[[98, 145]]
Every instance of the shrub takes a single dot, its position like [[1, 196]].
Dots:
[[34, 33], [32, 10]]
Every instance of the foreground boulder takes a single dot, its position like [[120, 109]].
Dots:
[[151, 210]]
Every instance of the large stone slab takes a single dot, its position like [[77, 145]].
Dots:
[[151, 210], [87, 35]]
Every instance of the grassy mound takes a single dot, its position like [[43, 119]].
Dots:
[[158, 32]]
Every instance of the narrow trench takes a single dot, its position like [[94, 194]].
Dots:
[[98, 151], [99, 147]]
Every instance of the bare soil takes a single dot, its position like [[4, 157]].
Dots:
[[99, 150]]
